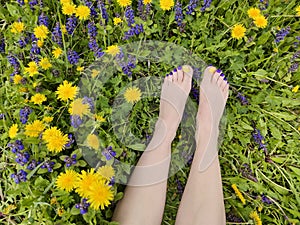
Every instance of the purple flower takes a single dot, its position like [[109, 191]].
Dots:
[[191, 6], [22, 158], [92, 30], [282, 33], [259, 139], [108, 153], [83, 206], [33, 3], [57, 34], [242, 99], [13, 61], [32, 164], [1, 116], [71, 24], [73, 57], [126, 65], [178, 13], [21, 2], [49, 165], [179, 187], [70, 160], [43, 19], [135, 30], [70, 142], [206, 4], [24, 114], [20, 176], [294, 67], [76, 121], [92, 9], [89, 101], [103, 10], [16, 147], [129, 14], [266, 200]]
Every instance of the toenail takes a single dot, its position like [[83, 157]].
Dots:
[[167, 75], [186, 69], [171, 74], [179, 67], [175, 70], [227, 82], [222, 75], [219, 71], [225, 78], [212, 70]]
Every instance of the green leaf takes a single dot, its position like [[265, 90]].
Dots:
[[138, 147], [13, 10]]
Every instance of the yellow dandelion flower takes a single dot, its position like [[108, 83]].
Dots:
[[41, 32], [23, 89], [275, 50], [66, 181], [9, 208], [95, 73], [66, 91], [57, 52], [117, 20], [83, 12], [48, 119], [38, 98], [32, 69], [17, 79], [100, 194], [55, 139], [132, 95], [63, 29], [93, 141], [238, 193], [147, 2], [124, 3], [13, 130], [256, 218], [298, 10], [17, 27], [100, 118], [253, 12], [295, 89], [45, 63], [79, 108], [34, 129], [113, 50], [65, 2], [85, 180], [60, 211], [80, 68], [260, 21], [238, 31], [40, 43], [166, 4], [68, 9], [34, 84], [53, 201], [106, 171]]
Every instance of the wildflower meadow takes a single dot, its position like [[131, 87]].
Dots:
[[79, 95]]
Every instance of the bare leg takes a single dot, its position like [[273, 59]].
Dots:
[[202, 200], [144, 197]]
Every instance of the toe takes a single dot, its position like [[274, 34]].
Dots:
[[216, 78], [180, 72], [175, 76], [169, 78], [223, 84], [187, 71]]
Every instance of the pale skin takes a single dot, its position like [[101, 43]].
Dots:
[[202, 201]]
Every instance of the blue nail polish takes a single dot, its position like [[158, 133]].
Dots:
[[179, 67], [210, 65], [175, 70], [218, 71], [167, 75], [171, 74], [225, 78], [222, 75], [227, 82]]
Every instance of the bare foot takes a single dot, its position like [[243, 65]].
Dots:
[[213, 96], [175, 90]]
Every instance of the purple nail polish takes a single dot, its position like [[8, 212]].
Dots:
[[167, 75], [179, 67], [222, 75], [218, 71], [225, 78], [210, 65], [227, 82], [175, 70], [171, 73]]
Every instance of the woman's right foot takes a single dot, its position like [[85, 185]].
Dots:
[[213, 96]]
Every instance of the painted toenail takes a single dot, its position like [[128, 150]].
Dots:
[[212, 69], [222, 75], [175, 70], [167, 75], [179, 68], [219, 71], [186, 69], [225, 78], [171, 74]]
